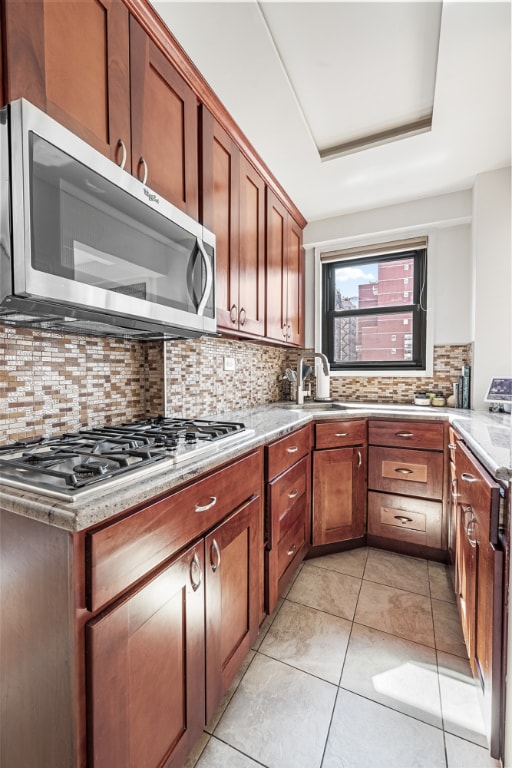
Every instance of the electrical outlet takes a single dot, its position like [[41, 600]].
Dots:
[[229, 363]]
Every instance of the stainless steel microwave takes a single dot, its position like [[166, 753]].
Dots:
[[88, 248]]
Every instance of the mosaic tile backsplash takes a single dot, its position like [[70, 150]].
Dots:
[[448, 361], [52, 383]]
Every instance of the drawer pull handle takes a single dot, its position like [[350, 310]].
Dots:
[[215, 549], [403, 519], [205, 507], [469, 478], [145, 168], [359, 459], [470, 527], [452, 446], [233, 313], [121, 144], [404, 471], [292, 549], [404, 434], [292, 449], [341, 434], [293, 494], [195, 567]]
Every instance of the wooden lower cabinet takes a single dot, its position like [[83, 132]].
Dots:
[[479, 570], [232, 598], [402, 518], [146, 671], [466, 572], [288, 510], [117, 642], [339, 495], [407, 486]]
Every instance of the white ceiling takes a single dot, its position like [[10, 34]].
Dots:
[[300, 77]]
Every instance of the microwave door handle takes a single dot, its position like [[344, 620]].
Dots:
[[209, 278]]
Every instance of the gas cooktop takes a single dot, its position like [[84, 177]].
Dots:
[[75, 463]]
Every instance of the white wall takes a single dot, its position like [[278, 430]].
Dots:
[[492, 281], [446, 220]]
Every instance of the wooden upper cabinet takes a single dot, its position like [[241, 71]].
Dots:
[[164, 124], [276, 268], [251, 274], [295, 284], [2, 99], [71, 59], [233, 207], [285, 273], [220, 212]]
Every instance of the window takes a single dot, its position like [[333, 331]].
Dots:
[[365, 308]]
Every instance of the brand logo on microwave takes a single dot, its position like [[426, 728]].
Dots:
[[151, 196]]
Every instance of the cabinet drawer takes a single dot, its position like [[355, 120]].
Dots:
[[407, 434], [414, 473], [285, 491], [477, 489], [293, 536], [286, 451], [122, 552], [413, 520], [336, 434]]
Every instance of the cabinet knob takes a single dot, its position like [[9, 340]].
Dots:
[[468, 478], [242, 316], [195, 570], [292, 449], [341, 434], [404, 434], [293, 494], [205, 507], [359, 459], [404, 471], [452, 446], [233, 313], [215, 564], [292, 549], [121, 145]]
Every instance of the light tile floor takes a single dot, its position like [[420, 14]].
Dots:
[[362, 665]]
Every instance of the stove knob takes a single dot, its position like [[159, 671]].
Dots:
[[190, 437]]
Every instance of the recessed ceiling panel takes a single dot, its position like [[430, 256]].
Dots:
[[362, 72]]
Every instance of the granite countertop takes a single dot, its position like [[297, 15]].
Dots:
[[488, 435]]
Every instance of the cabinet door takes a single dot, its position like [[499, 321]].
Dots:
[[71, 59], [339, 495], [251, 274], [164, 124], [232, 578], [220, 174], [277, 215], [466, 565], [294, 284], [146, 671], [285, 271], [404, 471]]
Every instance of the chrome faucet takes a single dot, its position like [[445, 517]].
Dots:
[[303, 391]]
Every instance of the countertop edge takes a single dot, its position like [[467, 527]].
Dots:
[[269, 422]]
